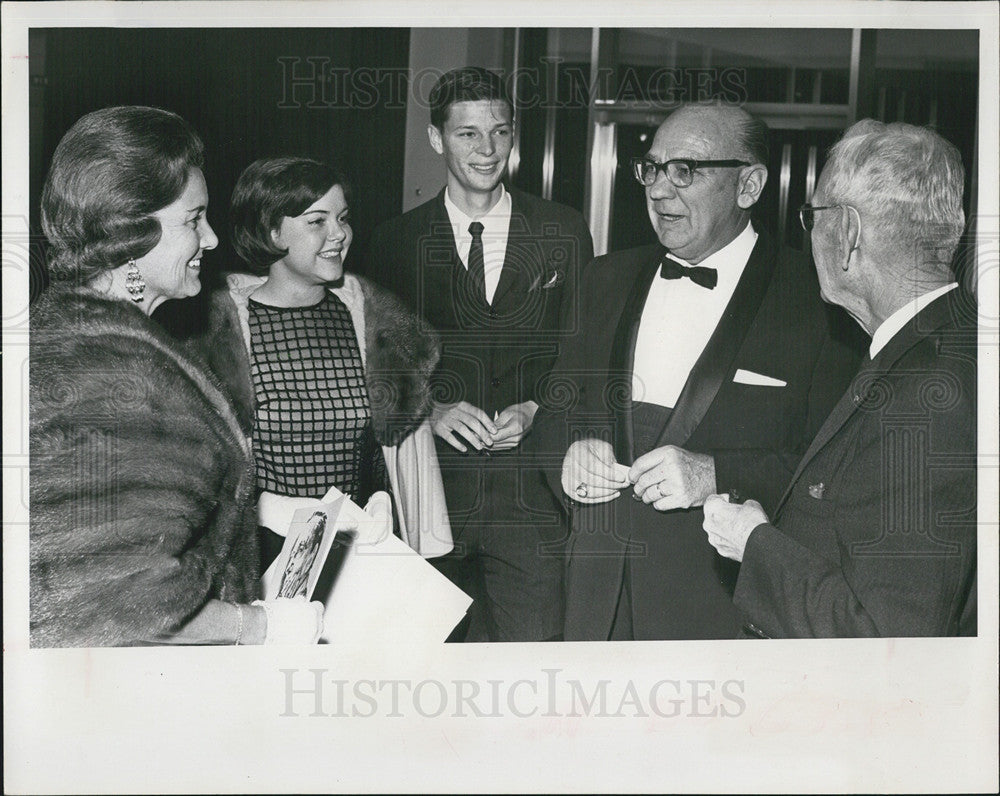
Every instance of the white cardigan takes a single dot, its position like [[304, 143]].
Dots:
[[412, 465]]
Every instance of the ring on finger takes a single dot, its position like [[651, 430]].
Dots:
[[581, 489]]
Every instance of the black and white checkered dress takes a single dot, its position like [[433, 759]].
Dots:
[[313, 426]]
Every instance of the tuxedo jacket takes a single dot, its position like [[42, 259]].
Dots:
[[776, 326], [876, 534], [492, 355]]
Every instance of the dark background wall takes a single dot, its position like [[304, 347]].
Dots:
[[259, 92], [232, 87]]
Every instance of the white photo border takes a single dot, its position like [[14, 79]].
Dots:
[[784, 716]]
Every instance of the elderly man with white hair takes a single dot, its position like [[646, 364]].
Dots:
[[876, 534]]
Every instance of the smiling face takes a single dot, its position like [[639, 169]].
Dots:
[[476, 141], [172, 269], [696, 221], [317, 241]]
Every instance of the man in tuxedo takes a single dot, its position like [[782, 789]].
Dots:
[[876, 534], [704, 363], [495, 271]]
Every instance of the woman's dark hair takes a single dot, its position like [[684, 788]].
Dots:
[[469, 84], [266, 192], [109, 174]]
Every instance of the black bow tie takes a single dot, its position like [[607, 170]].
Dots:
[[706, 277]]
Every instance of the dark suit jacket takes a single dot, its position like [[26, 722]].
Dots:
[[775, 325], [491, 355], [876, 535]]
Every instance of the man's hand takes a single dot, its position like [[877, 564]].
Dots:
[[590, 473], [463, 421], [729, 525], [512, 424], [673, 478]]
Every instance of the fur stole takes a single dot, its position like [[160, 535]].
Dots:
[[141, 485]]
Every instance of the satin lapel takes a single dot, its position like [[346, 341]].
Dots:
[[623, 357], [937, 314], [709, 372]]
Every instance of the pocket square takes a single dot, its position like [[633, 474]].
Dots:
[[547, 280], [749, 377], [552, 278]]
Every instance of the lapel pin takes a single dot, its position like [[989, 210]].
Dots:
[[817, 490]]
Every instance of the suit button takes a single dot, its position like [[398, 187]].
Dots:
[[493, 313], [495, 382]]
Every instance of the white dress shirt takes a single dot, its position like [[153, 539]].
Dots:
[[892, 325], [496, 226], [678, 319]]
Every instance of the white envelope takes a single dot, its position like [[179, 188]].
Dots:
[[749, 377]]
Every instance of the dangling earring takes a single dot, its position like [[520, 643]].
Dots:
[[134, 283]]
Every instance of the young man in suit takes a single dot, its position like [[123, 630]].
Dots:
[[876, 534], [495, 271], [704, 363]]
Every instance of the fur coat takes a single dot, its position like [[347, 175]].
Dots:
[[399, 353], [141, 483]]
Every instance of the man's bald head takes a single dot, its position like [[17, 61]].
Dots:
[[749, 135], [695, 221]]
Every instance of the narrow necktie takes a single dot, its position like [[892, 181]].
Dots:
[[477, 264], [706, 277]]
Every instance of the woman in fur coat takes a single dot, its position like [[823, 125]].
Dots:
[[142, 526], [328, 372]]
